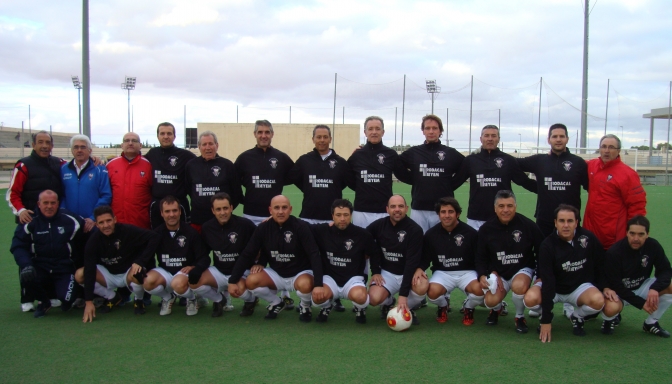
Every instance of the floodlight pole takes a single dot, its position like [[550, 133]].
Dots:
[[86, 116], [432, 89], [78, 86], [584, 82], [129, 85]]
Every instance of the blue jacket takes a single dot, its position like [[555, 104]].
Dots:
[[86, 191], [49, 243]]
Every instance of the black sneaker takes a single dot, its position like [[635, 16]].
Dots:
[[360, 315], [464, 304], [323, 316], [384, 309], [503, 311], [182, 302], [493, 318], [107, 305], [289, 302], [608, 327], [218, 307], [338, 306], [415, 318], [248, 308], [273, 310], [521, 325], [305, 314], [654, 329], [42, 309], [449, 310], [578, 326], [617, 320], [139, 307]]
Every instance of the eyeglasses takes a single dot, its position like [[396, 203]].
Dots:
[[78, 147], [611, 147], [131, 141]]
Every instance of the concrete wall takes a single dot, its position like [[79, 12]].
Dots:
[[293, 139]]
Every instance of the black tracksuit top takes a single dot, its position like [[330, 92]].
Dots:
[[205, 179], [449, 251], [227, 241]]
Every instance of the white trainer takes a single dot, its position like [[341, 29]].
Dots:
[[192, 307], [55, 303], [27, 307], [568, 310], [167, 306]]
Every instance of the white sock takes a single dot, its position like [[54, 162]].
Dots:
[[664, 302], [362, 306], [439, 301], [326, 304], [496, 307], [608, 317], [264, 293], [161, 292], [518, 303], [586, 310], [103, 291], [388, 301], [473, 301], [188, 294], [414, 299], [247, 296], [227, 295], [305, 298], [208, 292], [138, 291]]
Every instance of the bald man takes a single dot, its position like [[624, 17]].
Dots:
[[288, 256]]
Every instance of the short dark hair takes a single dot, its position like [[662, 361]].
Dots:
[[165, 124], [102, 210], [567, 207], [341, 203], [40, 133], [220, 196], [490, 126], [611, 136], [557, 126], [321, 126], [432, 117], [263, 123], [170, 199], [639, 220], [505, 194], [442, 202]]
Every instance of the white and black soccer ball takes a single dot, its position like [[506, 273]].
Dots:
[[399, 320]]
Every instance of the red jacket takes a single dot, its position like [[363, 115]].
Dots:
[[131, 183], [615, 195]]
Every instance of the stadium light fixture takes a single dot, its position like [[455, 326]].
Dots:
[[78, 87], [129, 85], [432, 89]]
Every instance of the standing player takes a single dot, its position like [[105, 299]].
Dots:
[[615, 194], [169, 163], [113, 258], [560, 176], [450, 247], [630, 264], [226, 235], [373, 167], [400, 240], [289, 249], [571, 262], [489, 170], [208, 175], [431, 166], [344, 249], [181, 258], [507, 248]]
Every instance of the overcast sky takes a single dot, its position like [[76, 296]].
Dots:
[[263, 57]]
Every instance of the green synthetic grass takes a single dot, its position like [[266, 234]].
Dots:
[[120, 347]]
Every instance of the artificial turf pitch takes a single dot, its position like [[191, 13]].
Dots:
[[120, 347]]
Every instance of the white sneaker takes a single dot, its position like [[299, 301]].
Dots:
[[27, 307], [228, 307], [568, 310], [167, 306], [55, 303], [532, 313], [192, 307]]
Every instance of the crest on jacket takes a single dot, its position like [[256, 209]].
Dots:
[[117, 244], [517, 236], [332, 163], [348, 244], [233, 236], [645, 261], [288, 237], [459, 239], [181, 241], [61, 230], [583, 241], [401, 235], [381, 158], [499, 162], [172, 160], [441, 155], [567, 165], [274, 162], [216, 170]]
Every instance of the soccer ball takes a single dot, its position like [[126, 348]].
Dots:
[[399, 321]]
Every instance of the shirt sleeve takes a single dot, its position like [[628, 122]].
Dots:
[[20, 247], [19, 177], [634, 196], [548, 282], [104, 189], [413, 261]]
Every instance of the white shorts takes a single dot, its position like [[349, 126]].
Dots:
[[392, 282], [315, 221], [344, 291], [572, 298], [168, 277], [363, 219], [476, 224], [222, 279], [256, 219], [425, 219], [507, 283], [285, 283], [643, 290], [453, 279], [113, 281]]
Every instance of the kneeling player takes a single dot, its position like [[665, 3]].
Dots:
[[569, 266], [450, 247], [181, 257], [226, 235], [286, 244], [113, 258], [344, 248], [628, 273], [507, 248], [400, 240]]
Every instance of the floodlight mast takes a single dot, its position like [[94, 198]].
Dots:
[[78, 86], [432, 89], [129, 85]]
